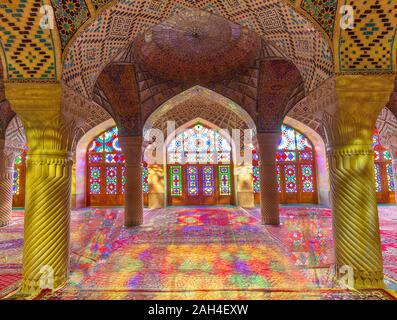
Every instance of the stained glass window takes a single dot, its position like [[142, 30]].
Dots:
[[18, 180], [192, 181], [290, 178], [256, 177], [95, 180], [111, 180], [295, 166], [18, 160], [15, 181], [390, 178], [307, 178], [285, 156], [199, 144], [123, 179], [224, 180], [176, 181], [145, 181], [106, 173], [208, 181], [384, 182]]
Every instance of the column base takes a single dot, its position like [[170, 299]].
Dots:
[[134, 222], [271, 221], [5, 221], [360, 279], [32, 286]]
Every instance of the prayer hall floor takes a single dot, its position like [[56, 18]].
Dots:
[[200, 253]]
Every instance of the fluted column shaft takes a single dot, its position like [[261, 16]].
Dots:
[[132, 150], [349, 125], [355, 214], [47, 220], [48, 184], [268, 144], [7, 158]]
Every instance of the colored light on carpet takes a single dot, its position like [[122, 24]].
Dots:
[[199, 253]]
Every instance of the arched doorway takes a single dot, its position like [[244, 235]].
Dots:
[[106, 171], [199, 167], [296, 169]]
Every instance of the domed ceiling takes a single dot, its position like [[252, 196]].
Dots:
[[196, 47]]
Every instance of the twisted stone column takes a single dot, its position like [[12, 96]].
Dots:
[[47, 220], [7, 158], [349, 124], [268, 144], [355, 214], [48, 184], [132, 150]]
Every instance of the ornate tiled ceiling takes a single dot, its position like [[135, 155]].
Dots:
[[196, 47], [241, 87], [120, 24]]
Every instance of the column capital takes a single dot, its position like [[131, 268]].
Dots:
[[366, 84], [132, 150], [359, 99], [268, 138], [28, 97], [131, 141]]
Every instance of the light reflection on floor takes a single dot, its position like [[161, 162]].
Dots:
[[198, 253]]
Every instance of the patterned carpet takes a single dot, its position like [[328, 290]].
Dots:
[[198, 253], [307, 235]]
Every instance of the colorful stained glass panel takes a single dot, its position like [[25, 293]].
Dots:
[[387, 155], [111, 180], [114, 158], [305, 156], [95, 158], [286, 156], [224, 181], [192, 181], [256, 178], [95, 180], [307, 178], [16, 181], [290, 178], [288, 139], [302, 143], [208, 181], [145, 181], [199, 144], [123, 180], [18, 160], [176, 181], [390, 178]]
